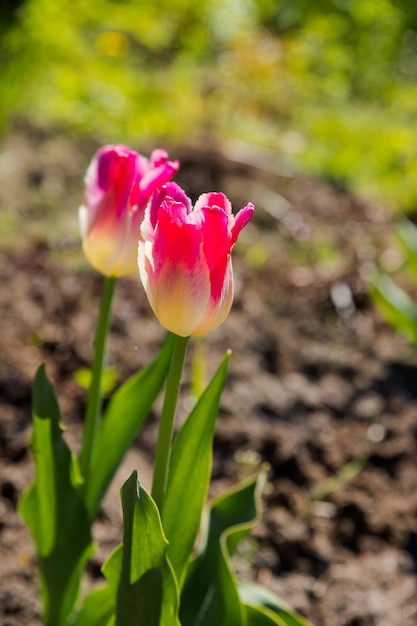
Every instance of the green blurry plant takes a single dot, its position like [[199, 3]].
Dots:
[[330, 85], [395, 304]]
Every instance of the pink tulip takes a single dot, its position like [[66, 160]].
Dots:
[[185, 258], [118, 185]]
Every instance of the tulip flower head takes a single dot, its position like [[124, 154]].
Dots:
[[118, 185], [185, 260]]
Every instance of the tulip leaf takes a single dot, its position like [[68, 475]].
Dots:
[[257, 597], [139, 570], [189, 474], [210, 595], [259, 616], [125, 415], [97, 609], [53, 509], [396, 306]]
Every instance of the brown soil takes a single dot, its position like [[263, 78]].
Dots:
[[319, 387]]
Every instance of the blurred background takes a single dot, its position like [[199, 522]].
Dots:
[[331, 86]]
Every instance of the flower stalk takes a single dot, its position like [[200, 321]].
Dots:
[[94, 400], [166, 426]]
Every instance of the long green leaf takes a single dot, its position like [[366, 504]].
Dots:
[[53, 508], [139, 571], [395, 305], [254, 595], [210, 595], [125, 415], [98, 608], [258, 616], [189, 474]]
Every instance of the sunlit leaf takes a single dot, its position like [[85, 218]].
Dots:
[[139, 571], [259, 616], [254, 595], [189, 473], [53, 508], [210, 595], [97, 609]]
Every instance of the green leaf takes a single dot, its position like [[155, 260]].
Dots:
[[189, 474], [98, 608], [397, 307], [257, 616], [125, 415], [139, 571], [210, 595], [53, 508], [407, 234], [256, 596]]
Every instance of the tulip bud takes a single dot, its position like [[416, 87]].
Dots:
[[118, 185], [184, 258]]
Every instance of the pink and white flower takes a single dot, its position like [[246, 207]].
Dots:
[[184, 258], [118, 185]]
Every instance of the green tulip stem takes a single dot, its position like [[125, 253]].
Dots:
[[94, 399], [166, 426]]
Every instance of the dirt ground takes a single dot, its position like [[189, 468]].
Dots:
[[319, 387]]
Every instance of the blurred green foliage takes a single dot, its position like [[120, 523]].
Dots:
[[394, 302], [331, 85]]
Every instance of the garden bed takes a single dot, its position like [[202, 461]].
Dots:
[[319, 387]]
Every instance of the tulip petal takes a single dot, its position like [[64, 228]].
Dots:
[[177, 296], [118, 185], [215, 232], [214, 199], [217, 313], [241, 219], [176, 242]]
